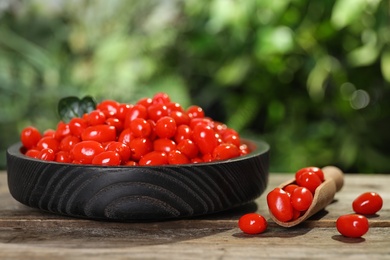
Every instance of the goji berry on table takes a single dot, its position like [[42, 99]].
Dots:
[[352, 225], [367, 203], [252, 223]]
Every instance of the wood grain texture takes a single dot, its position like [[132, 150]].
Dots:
[[28, 233], [137, 193]]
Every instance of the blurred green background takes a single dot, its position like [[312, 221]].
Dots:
[[309, 77]]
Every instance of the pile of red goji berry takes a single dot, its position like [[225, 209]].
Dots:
[[153, 131]]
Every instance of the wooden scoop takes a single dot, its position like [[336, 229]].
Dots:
[[323, 195]]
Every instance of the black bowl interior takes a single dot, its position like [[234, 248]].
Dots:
[[138, 192]]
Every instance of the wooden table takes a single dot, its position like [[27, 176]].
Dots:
[[27, 233]]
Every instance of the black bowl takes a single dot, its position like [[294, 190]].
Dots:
[[134, 193]]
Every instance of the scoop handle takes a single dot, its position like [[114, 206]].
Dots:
[[335, 174]]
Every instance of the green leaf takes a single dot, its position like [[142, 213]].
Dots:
[[275, 40], [345, 12], [385, 65], [71, 107], [233, 72], [363, 56]]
